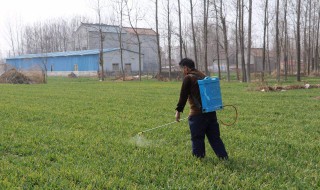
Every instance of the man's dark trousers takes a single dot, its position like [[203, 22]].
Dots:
[[202, 125]]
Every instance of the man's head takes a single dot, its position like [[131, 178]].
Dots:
[[186, 62], [187, 65]]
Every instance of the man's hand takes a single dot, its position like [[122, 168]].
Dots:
[[177, 116]]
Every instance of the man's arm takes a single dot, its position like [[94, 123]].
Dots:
[[184, 94]]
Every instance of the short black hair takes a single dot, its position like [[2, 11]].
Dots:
[[187, 62]]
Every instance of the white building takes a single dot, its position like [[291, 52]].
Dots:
[[87, 37]]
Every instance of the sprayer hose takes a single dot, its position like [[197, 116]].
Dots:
[[235, 119]]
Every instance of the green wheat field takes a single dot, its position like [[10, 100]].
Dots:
[[82, 134]]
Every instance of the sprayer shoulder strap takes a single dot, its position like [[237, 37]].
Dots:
[[194, 75], [195, 100]]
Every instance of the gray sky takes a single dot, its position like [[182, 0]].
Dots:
[[29, 11], [25, 12]]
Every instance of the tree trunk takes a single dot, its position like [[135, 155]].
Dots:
[[180, 30], [305, 45], [277, 42], [205, 32], [237, 41], [309, 39], [317, 46], [225, 35], [169, 38], [101, 53], [158, 39], [298, 41], [241, 33], [285, 41], [101, 41], [194, 36], [264, 41], [217, 39], [13, 50], [249, 42], [137, 36], [312, 52]]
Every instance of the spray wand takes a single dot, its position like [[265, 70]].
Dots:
[[167, 124]]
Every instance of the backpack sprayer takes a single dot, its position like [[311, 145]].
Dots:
[[211, 100]]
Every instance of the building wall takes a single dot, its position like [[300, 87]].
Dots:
[[256, 63], [110, 41], [61, 63], [83, 65], [130, 42], [148, 49], [81, 39], [77, 73], [128, 58]]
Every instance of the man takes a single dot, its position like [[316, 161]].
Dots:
[[200, 124]]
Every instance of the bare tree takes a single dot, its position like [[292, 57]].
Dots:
[[264, 40], [305, 44], [277, 41], [98, 8], [286, 38], [45, 58], [298, 41], [158, 37], [184, 42], [237, 40], [205, 34], [134, 28], [241, 38], [309, 38], [317, 44], [313, 38], [180, 29], [169, 37], [193, 35], [249, 41], [12, 39], [217, 38], [225, 37], [119, 6]]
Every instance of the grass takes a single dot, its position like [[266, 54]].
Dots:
[[82, 134]]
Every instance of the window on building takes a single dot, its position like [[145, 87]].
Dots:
[[128, 67], [75, 68], [115, 67]]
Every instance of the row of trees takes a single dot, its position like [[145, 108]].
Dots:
[[209, 31], [286, 31], [41, 37]]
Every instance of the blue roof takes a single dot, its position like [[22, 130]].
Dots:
[[62, 54]]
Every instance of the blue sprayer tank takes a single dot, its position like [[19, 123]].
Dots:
[[210, 93]]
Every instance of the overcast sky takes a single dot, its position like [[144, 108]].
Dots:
[[30, 11], [27, 12]]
